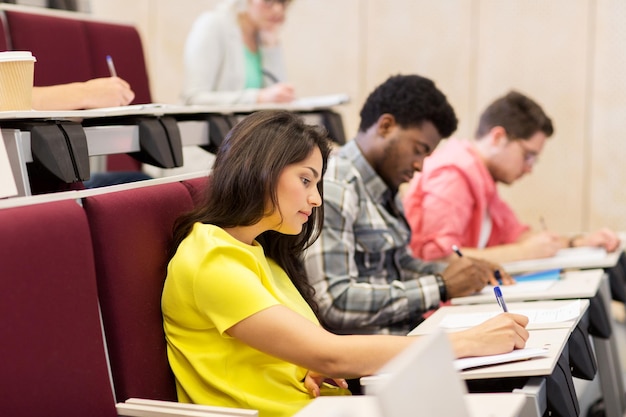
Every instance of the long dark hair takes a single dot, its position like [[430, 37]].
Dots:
[[245, 173]]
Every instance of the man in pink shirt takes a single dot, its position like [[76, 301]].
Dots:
[[454, 200]]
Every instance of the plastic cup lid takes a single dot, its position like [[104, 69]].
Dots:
[[17, 56]]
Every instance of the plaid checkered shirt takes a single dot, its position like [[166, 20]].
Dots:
[[365, 278]]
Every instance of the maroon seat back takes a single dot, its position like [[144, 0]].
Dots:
[[4, 45], [131, 234], [123, 44], [52, 354], [59, 44], [197, 188], [70, 50]]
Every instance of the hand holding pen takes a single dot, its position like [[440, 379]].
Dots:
[[494, 273], [276, 93]]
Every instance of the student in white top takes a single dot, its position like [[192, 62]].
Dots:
[[233, 55]]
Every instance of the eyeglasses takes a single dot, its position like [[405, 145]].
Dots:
[[530, 156]]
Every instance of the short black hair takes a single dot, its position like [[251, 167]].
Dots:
[[518, 114], [412, 100]]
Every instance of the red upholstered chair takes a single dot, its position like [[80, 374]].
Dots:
[[4, 45], [123, 44], [197, 188], [52, 354], [131, 232], [74, 49], [59, 44]]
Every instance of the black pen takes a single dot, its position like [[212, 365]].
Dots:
[[500, 299], [271, 76], [496, 273], [498, 276]]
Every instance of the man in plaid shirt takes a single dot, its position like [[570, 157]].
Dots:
[[364, 275]]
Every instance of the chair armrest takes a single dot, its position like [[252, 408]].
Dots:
[[139, 407]]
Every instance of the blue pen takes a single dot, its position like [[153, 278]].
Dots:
[[500, 299]]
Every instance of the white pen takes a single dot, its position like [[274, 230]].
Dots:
[[111, 66]]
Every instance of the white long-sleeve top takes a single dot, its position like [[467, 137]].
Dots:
[[214, 61]]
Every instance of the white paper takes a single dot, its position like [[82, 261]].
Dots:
[[516, 355], [535, 316], [582, 252], [321, 101], [564, 258], [520, 288]]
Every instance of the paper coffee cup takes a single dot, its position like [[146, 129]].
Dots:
[[17, 70]]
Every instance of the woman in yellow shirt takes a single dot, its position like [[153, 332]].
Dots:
[[239, 315]]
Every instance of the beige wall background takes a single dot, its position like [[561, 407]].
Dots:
[[567, 54]]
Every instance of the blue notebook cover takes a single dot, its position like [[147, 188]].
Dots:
[[548, 274]]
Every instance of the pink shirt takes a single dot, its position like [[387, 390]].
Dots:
[[446, 204]]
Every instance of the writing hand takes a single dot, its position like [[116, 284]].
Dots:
[[465, 276], [499, 334], [277, 93], [106, 92], [541, 245]]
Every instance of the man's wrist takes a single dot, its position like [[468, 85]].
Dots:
[[443, 291]]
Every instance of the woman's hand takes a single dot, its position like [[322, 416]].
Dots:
[[313, 381], [499, 334]]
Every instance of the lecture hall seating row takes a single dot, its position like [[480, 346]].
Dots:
[[80, 287], [71, 47]]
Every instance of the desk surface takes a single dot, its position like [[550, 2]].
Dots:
[[573, 284], [552, 339], [432, 323], [570, 262], [478, 405], [159, 109]]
